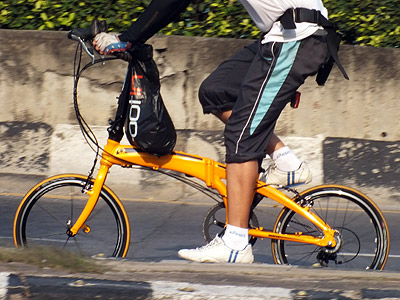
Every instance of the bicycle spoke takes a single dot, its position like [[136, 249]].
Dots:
[[47, 213], [51, 215], [362, 233], [65, 244]]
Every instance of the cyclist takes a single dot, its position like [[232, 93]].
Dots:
[[248, 93]]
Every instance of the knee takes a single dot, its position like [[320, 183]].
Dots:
[[215, 97], [205, 91]]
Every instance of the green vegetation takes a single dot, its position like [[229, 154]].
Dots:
[[368, 22], [47, 257]]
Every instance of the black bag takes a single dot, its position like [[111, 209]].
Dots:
[[325, 70], [148, 124], [333, 39], [301, 14]]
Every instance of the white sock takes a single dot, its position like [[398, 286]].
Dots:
[[285, 159], [235, 237]]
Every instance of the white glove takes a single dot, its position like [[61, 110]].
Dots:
[[104, 39]]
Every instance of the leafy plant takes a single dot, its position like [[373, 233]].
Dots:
[[368, 22]]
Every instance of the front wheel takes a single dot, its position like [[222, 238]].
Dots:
[[51, 208], [362, 231]]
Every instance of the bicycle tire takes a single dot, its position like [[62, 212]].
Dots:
[[362, 230], [50, 208], [214, 222]]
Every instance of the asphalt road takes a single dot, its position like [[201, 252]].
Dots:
[[153, 269], [161, 228]]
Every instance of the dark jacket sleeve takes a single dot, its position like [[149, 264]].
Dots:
[[156, 16]]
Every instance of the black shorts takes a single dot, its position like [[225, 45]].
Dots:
[[256, 84]]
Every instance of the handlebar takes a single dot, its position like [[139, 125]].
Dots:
[[87, 34], [83, 35]]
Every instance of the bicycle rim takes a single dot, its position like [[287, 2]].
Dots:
[[363, 232], [53, 206]]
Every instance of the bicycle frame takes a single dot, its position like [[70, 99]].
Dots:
[[207, 170], [211, 172]]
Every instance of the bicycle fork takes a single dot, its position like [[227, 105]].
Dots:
[[94, 194]]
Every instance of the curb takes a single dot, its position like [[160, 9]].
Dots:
[[187, 280]]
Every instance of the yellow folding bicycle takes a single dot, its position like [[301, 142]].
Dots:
[[328, 225]]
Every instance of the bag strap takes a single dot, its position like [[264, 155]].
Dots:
[[301, 14]]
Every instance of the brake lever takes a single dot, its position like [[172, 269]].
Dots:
[[83, 44], [87, 34], [88, 51]]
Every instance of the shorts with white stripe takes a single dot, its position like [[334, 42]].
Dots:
[[275, 73]]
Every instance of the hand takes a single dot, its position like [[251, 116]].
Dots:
[[106, 43]]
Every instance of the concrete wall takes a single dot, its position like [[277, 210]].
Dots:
[[339, 121]]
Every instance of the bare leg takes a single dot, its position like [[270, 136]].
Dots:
[[241, 178], [224, 116], [274, 144]]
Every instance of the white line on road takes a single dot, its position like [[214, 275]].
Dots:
[[192, 291], [182, 290], [3, 285]]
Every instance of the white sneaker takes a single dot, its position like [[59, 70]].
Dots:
[[217, 251], [275, 176]]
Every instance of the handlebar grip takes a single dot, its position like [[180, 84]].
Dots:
[[126, 56], [72, 36], [88, 33], [82, 35]]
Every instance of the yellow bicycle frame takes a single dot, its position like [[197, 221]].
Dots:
[[212, 173]]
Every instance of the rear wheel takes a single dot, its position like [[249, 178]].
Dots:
[[214, 222], [362, 231], [50, 209]]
